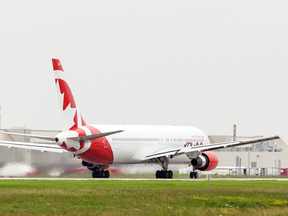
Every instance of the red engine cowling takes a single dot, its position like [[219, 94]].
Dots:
[[205, 162]]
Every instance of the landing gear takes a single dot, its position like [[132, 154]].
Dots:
[[170, 174], [100, 173], [95, 174], [164, 174], [97, 170], [193, 174], [107, 174]]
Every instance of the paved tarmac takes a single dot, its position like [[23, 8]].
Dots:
[[149, 179]]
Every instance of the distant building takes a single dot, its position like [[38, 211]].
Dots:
[[255, 159]]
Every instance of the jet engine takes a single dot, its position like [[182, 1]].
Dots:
[[205, 162]]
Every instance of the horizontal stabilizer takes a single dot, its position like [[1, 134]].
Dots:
[[33, 146], [94, 136], [29, 135]]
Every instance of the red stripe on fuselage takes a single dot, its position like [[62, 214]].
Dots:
[[100, 151]]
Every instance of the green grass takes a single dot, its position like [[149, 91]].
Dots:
[[116, 197]]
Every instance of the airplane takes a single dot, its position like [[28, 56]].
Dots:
[[100, 146]]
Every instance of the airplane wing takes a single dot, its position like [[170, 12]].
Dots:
[[163, 153], [209, 147], [33, 146]]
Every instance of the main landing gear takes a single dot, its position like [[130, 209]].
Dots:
[[193, 174], [100, 173], [97, 170], [164, 173]]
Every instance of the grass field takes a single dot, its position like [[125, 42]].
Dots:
[[116, 197]]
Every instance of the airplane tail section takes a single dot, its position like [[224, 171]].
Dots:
[[70, 114]]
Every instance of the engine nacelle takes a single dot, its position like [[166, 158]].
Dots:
[[205, 162]]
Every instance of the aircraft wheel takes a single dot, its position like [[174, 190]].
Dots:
[[95, 174], [191, 174], [102, 174], [158, 174], [195, 174], [166, 174], [107, 174], [170, 174]]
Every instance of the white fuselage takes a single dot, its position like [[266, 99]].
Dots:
[[136, 142]]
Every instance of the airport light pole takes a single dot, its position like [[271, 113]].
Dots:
[[249, 161], [234, 135]]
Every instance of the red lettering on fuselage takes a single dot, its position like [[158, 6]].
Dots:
[[191, 144]]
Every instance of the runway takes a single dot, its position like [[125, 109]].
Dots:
[[148, 179]]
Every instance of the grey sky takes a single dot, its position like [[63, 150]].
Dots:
[[208, 64]]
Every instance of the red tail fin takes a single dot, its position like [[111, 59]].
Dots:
[[71, 117]]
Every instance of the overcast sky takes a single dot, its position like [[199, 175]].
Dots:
[[208, 64]]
